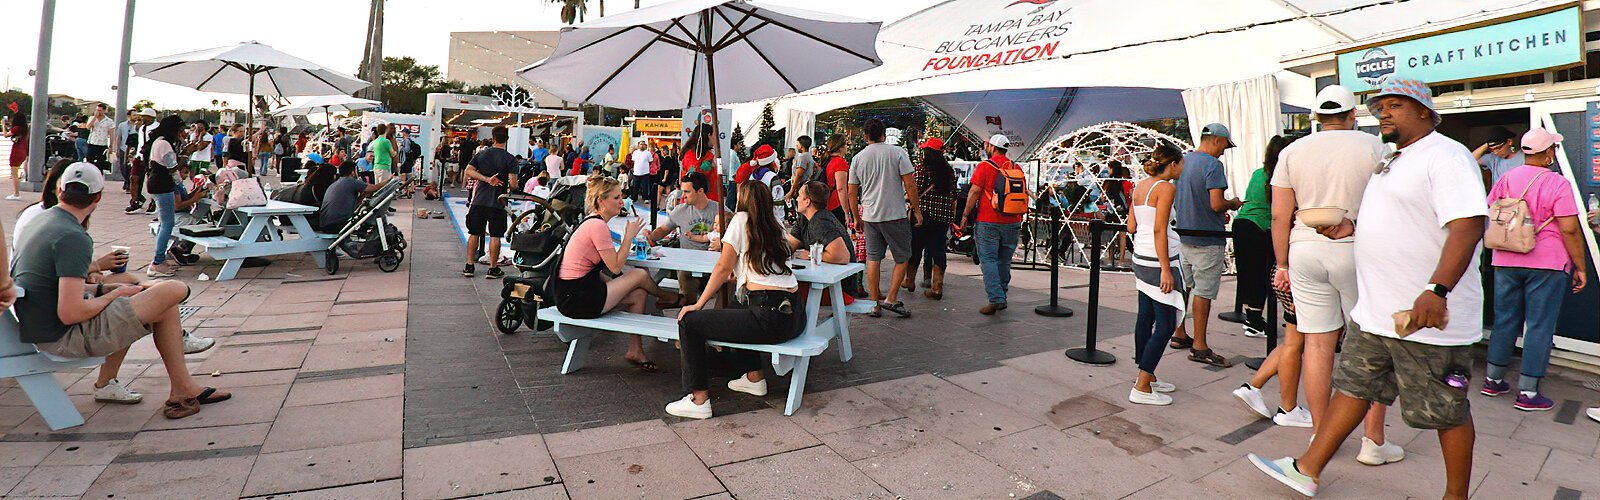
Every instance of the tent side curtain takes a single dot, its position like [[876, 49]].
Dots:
[[1250, 110]]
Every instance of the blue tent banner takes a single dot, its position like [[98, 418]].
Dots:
[[1548, 39]]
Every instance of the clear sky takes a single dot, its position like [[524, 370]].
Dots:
[[328, 32]]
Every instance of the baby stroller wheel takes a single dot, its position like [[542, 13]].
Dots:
[[508, 316], [331, 261], [389, 262]]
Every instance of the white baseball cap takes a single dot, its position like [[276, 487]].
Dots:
[[1334, 99], [1000, 141], [84, 173], [148, 112]]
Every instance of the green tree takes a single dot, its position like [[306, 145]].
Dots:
[[572, 11], [406, 84], [23, 100], [765, 133]]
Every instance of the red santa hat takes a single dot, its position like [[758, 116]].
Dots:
[[764, 155]]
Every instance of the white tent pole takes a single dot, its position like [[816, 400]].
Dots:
[[39, 127]]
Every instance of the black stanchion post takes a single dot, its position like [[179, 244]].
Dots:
[[1054, 309], [1088, 354]]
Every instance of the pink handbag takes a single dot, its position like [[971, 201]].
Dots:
[[246, 192]]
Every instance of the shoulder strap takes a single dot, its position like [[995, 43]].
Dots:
[[1531, 182]]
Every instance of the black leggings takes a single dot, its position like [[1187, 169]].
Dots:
[[762, 322], [1252, 251], [927, 244]]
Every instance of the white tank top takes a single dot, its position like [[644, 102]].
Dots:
[[1144, 239]]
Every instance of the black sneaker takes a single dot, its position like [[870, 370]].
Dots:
[[132, 209], [469, 271], [494, 273]]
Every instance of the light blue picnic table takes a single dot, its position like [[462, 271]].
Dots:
[[262, 238]]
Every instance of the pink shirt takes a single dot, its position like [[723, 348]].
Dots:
[[1550, 197], [583, 252]]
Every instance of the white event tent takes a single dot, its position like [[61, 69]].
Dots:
[[1084, 61]]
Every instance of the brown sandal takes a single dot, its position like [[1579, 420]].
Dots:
[[182, 408]]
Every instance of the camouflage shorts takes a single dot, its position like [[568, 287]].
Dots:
[[1384, 369]]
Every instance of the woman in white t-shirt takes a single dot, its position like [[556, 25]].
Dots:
[[755, 251]]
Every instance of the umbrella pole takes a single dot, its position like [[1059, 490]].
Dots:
[[250, 121], [711, 85]]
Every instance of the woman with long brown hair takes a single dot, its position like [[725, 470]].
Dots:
[[755, 251]]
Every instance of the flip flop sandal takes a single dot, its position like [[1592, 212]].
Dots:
[[877, 312], [899, 308], [1208, 357], [1183, 343], [211, 395], [179, 409], [645, 366]]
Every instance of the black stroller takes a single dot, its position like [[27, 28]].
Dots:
[[370, 235], [537, 235]]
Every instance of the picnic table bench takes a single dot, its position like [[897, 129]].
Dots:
[[34, 372], [261, 238]]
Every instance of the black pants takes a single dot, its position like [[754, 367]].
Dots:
[[1252, 251], [764, 321], [97, 156], [927, 244]]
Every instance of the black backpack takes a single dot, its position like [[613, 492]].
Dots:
[[551, 237]]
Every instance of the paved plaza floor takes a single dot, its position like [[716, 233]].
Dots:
[[367, 384]]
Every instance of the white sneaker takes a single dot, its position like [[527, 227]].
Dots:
[[12, 197], [1298, 417], [1159, 386], [1148, 398], [1253, 332], [687, 409], [1373, 454], [115, 392], [1594, 413], [1251, 397], [744, 385], [193, 344]]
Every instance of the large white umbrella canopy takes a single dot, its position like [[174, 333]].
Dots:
[[249, 68], [327, 104], [668, 56]]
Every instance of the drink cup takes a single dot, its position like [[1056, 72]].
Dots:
[[124, 267], [816, 254], [714, 238]]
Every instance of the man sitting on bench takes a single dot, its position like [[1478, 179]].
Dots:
[[340, 203], [65, 317]]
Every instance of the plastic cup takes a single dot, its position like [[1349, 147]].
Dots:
[[124, 267]]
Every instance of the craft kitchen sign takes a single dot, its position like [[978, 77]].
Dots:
[[1551, 38], [1022, 30]]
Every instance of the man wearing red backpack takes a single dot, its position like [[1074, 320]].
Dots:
[[1001, 197]]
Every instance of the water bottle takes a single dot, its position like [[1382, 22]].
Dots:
[[641, 248], [1594, 203]]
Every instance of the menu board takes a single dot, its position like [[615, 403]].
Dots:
[[1592, 119]]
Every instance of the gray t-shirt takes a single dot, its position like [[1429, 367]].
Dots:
[[877, 169], [805, 164], [1498, 166], [340, 201], [693, 221], [1201, 174], [54, 246]]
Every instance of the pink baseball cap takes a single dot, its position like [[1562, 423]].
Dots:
[[1538, 139]]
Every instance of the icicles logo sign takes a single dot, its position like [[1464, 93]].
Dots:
[[1375, 66], [1034, 35]]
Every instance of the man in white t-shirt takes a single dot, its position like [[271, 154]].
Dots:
[[1327, 169], [1421, 303], [643, 182]]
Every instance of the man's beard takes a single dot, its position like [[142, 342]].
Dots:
[[1391, 137]]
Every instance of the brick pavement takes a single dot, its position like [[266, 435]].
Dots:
[[350, 386]]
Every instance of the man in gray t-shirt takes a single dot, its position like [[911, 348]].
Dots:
[[805, 167], [695, 219], [1498, 155], [341, 199], [881, 184]]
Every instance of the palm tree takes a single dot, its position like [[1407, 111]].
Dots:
[[572, 11]]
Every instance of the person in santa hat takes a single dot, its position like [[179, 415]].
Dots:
[[765, 158]]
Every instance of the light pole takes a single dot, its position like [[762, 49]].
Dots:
[[39, 128]]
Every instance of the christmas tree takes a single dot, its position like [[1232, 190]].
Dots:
[[764, 132]]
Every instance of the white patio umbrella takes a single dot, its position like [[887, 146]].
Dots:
[[249, 68], [326, 105], [667, 56]]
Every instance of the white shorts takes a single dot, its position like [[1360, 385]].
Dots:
[[1322, 277]]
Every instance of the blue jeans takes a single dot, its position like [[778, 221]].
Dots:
[[80, 149], [996, 243], [1151, 331], [1527, 302], [164, 211], [262, 161]]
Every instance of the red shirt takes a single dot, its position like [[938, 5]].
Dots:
[[835, 164], [984, 177], [691, 163]]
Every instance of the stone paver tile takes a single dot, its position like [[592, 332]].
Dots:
[[609, 438], [967, 418], [1508, 458], [552, 492], [272, 338], [10, 476], [1031, 395], [321, 426], [373, 295], [1500, 486], [1063, 370], [663, 470], [364, 322], [324, 467], [316, 392], [1193, 457], [478, 467], [219, 478], [236, 379], [743, 436], [815, 472], [10, 416], [391, 307], [253, 358], [231, 322], [57, 481], [1071, 463], [1572, 471], [325, 357], [35, 426], [316, 307], [85, 453], [325, 337], [1545, 432], [1134, 433], [25, 454], [1424, 478], [283, 321], [914, 391], [1172, 487], [203, 438], [942, 469], [878, 439], [249, 405], [381, 490], [837, 410]]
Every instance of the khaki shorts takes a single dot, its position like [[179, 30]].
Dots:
[[1386, 370], [1323, 277], [1202, 268], [114, 329]]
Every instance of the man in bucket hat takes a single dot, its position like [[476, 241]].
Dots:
[[1420, 302]]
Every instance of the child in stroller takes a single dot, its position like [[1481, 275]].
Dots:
[[537, 233]]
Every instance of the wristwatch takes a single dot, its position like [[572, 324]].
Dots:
[[1438, 289]]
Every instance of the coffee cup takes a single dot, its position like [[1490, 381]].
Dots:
[[124, 267]]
